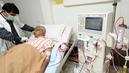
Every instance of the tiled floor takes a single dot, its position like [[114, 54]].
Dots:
[[71, 66]]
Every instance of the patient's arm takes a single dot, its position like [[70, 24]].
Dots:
[[47, 54]]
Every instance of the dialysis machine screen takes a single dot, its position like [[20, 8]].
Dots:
[[94, 23]]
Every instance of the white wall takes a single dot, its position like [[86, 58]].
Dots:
[[30, 11], [123, 10], [46, 7], [68, 15], [34, 12], [44, 11]]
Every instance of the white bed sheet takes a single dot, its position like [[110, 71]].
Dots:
[[56, 56], [54, 60]]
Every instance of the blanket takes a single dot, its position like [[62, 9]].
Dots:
[[22, 58]]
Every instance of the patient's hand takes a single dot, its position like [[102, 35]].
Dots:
[[24, 39], [47, 53]]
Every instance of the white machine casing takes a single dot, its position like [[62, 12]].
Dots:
[[99, 65], [106, 26]]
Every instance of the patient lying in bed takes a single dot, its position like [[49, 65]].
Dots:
[[39, 40], [42, 43]]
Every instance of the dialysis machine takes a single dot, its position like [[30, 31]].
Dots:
[[92, 30]]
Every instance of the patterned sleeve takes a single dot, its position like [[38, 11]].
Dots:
[[48, 44]]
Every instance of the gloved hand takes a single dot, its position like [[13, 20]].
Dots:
[[24, 39]]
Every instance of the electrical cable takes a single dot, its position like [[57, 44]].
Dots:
[[114, 63], [126, 55], [80, 44], [119, 53], [82, 67], [82, 47], [115, 44], [105, 52], [95, 56]]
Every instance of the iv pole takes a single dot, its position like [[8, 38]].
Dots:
[[113, 22], [114, 13]]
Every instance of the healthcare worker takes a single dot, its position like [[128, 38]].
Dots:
[[11, 29]]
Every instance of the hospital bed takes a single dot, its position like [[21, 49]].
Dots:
[[25, 58], [61, 34]]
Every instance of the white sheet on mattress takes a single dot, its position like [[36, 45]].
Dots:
[[57, 56], [55, 59]]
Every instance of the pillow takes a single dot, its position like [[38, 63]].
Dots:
[[54, 32]]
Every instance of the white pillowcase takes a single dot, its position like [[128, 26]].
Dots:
[[54, 32]]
